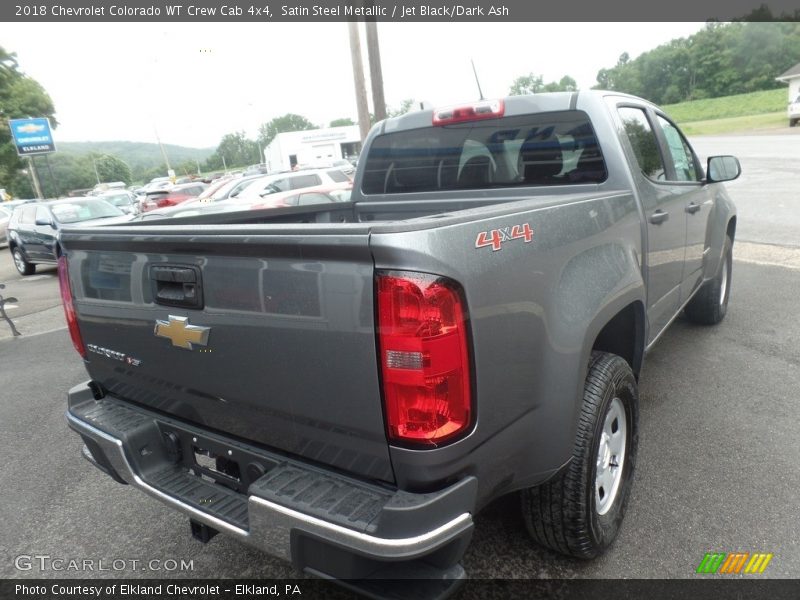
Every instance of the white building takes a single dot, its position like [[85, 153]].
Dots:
[[315, 147], [792, 77]]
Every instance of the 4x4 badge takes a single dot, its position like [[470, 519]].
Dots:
[[496, 237], [182, 335]]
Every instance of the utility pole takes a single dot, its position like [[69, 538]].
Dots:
[[37, 188], [375, 70], [52, 178], [358, 79], [163, 151]]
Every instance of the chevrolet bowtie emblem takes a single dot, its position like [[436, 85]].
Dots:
[[181, 333]]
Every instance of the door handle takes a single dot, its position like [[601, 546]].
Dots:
[[658, 217], [176, 285], [693, 208]]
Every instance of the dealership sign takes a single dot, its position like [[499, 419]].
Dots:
[[32, 136]]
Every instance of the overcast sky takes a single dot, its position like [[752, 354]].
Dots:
[[194, 83]]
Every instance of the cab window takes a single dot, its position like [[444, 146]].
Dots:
[[644, 144], [682, 155]]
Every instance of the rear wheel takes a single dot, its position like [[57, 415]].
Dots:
[[22, 265], [710, 303], [580, 512]]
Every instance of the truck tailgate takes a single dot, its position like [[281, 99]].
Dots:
[[274, 342]]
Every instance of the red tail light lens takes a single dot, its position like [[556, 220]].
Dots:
[[69, 308], [485, 109], [422, 340]]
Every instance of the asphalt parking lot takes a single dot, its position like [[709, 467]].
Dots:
[[718, 459]]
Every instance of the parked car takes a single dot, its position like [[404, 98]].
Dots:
[[345, 165], [212, 177], [126, 201], [230, 188], [292, 180], [34, 227], [315, 195], [12, 204], [105, 187], [193, 209], [259, 169], [172, 195], [157, 183], [5, 216], [794, 112]]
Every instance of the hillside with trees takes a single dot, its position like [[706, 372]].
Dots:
[[720, 60]]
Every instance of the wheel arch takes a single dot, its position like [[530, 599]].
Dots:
[[623, 334], [731, 229]]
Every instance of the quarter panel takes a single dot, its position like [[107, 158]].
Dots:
[[530, 307]]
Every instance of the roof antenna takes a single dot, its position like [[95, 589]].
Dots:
[[476, 79]]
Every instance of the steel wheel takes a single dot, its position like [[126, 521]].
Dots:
[[580, 512], [723, 285], [610, 457]]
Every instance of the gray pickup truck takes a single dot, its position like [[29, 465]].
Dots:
[[346, 385]]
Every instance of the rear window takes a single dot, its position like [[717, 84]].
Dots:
[[304, 181], [192, 190], [117, 200], [338, 176], [75, 212], [555, 148]]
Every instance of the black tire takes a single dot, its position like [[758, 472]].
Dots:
[[563, 513], [792, 122], [22, 265], [710, 303]]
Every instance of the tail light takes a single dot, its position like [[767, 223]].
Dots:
[[69, 308], [422, 339]]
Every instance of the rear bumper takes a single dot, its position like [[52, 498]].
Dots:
[[321, 521]]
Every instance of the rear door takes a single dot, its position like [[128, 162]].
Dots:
[[268, 338], [26, 229], [664, 215]]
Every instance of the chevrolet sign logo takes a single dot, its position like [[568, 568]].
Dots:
[[30, 128], [182, 335]]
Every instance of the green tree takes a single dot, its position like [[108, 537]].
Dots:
[[405, 106], [526, 84], [342, 122], [534, 84], [70, 172], [20, 97], [565, 84], [187, 167], [234, 150], [110, 168], [287, 122], [719, 60]]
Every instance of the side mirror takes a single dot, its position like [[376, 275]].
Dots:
[[723, 168], [45, 223]]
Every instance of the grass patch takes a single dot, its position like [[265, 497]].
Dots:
[[775, 120], [740, 105]]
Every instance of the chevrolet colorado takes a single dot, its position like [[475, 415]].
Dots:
[[345, 386]]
